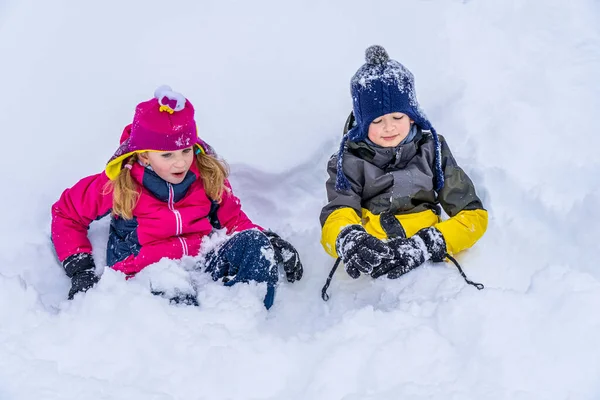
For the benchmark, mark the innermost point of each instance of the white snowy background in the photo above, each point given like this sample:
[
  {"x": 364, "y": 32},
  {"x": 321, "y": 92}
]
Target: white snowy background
[{"x": 512, "y": 85}]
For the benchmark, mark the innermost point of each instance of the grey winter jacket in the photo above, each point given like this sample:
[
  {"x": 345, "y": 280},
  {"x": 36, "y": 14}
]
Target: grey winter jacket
[{"x": 399, "y": 180}]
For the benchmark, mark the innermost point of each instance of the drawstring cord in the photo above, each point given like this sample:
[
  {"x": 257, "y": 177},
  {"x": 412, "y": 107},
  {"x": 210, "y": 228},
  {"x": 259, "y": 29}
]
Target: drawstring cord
[
  {"x": 324, "y": 294},
  {"x": 479, "y": 286}
]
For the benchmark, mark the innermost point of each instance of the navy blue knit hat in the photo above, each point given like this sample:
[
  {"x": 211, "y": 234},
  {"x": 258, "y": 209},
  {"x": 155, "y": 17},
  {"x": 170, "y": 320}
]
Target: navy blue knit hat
[{"x": 379, "y": 87}]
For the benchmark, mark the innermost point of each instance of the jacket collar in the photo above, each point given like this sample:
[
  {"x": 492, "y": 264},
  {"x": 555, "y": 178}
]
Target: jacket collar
[
  {"x": 386, "y": 157},
  {"x": 160, "y": 188}
]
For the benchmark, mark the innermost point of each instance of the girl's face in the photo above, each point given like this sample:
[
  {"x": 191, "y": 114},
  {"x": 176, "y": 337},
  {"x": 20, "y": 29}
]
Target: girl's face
[
  {"x": 389, "y": 129},
  {"x": 172, "y": 166}
]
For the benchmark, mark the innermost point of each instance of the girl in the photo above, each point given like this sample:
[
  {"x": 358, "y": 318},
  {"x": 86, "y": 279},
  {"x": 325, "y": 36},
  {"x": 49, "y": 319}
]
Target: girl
[
  {"x": 389, "y": 179},
  {"x": 165, "y": 190}
]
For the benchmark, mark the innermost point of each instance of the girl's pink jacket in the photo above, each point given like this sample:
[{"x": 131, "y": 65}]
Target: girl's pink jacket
[{"x": 168, "y": 227}]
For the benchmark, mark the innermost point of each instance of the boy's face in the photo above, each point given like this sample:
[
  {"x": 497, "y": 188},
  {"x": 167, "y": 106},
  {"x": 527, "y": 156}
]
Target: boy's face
[
  {"x": 389, "y": 129},
  {"x": 172, "y": 166}
]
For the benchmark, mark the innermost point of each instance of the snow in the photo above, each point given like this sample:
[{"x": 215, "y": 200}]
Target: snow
[{"x": 512, "y": 85}]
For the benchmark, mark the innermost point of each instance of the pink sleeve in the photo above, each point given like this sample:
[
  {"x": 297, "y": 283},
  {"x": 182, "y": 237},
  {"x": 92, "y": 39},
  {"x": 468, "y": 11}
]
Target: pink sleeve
[
  {"x": 231, "y": 215},
  {"x": 73, "y": 213}
]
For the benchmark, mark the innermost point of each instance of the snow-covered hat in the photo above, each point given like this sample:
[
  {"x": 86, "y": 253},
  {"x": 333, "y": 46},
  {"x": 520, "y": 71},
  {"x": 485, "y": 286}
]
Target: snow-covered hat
[
  {"x": 382, "y": 86},
  {"x": 163, "y": 123}
]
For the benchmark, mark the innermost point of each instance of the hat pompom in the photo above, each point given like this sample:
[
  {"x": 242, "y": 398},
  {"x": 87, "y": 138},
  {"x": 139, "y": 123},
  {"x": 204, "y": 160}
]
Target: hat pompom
[
  {"x": 376, "y": 55},
  {"x": 168, "y": 98},
  {"x": 161, "y": 90}
]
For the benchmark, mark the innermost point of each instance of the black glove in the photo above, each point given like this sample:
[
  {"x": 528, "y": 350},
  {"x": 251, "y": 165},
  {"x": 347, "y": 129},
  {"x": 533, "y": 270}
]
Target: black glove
[
  {"x": 427, "y": 244},
  {"x": 81, "y": 269},
  {"x": 360, "y": 251},
  {"x": 434, "y": 242},
  {"x": 286, "y": 255}
]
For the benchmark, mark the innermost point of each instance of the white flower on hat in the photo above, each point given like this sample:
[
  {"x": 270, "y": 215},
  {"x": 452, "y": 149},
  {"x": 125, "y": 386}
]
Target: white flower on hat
[{"x": 168, "y": 98}]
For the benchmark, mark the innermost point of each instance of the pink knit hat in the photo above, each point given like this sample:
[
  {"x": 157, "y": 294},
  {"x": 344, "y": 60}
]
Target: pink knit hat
[{"x": 163, "y": 123}]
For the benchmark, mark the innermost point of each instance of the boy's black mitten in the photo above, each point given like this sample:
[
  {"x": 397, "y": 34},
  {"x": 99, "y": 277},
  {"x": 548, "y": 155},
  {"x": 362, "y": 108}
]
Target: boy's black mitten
[
  {"x": 427, "y": 244},
  {"x": 286, "y": 255},
  {"x": 360, "y": 251},
  {"x": 81, "y": 269}
]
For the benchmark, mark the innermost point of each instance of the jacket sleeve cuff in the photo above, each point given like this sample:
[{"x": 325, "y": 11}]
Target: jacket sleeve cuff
[
  {"x": 464, "y": 229},
  {"x": 335, "y": 223}
]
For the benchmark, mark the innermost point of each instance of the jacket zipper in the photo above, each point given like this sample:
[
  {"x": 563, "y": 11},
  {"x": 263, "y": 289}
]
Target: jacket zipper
[{"x": 178, "y": 220}]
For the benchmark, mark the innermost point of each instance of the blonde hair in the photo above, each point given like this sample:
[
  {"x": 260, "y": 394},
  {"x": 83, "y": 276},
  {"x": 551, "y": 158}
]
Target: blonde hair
[
  {"x": 213, "y": 173},
  {"x": 126, "y": 192}
]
